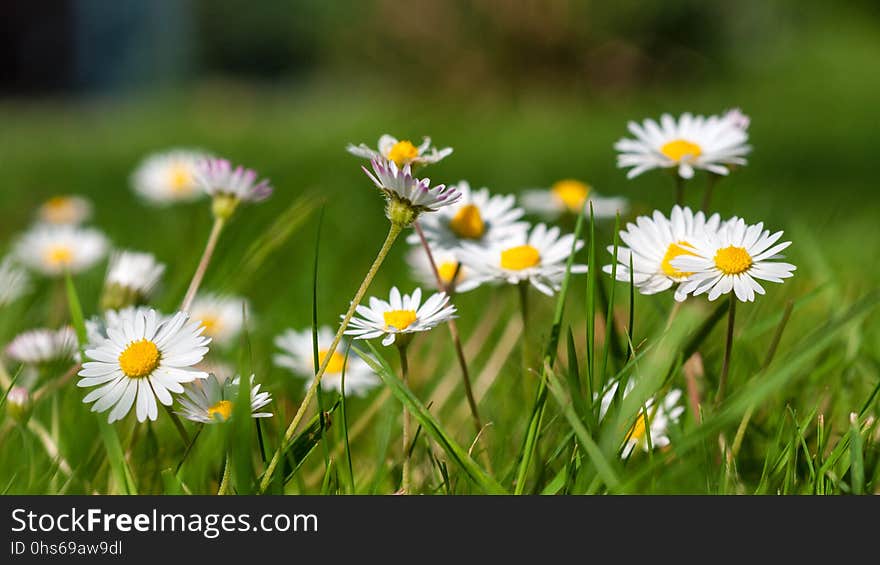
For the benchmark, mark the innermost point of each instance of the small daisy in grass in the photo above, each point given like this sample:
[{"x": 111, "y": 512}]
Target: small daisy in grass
[
  {"x": 691, "y": 142},
  {"x": 212, "y": 401},
  {"x": 401, "y": 152},
  {"x": 221, "y": 316},
  {"x": 131, "y": 278},
  {"x": 40, "y": 346},
  {"x": 733, "y": 258},
  {"x": 571, "y": 196},
  {"x": 407, "y": 197},
  {"x": 297, "y": 354},
  {"x": 660, "y": 417},
  {"x": 230, "y": 186},
  {"x": 448, "y": 267},
  {"x": 400, "y": 316},
  {"x": 14, "y": 282},
  {"x": 72, "y": 210},
  {"x": 476, "y": 217},
  {"x": 537, "y": 257},
  {"x": 143, "y": 358},
  {"x": 168, "y": 177},
  {"x": 54, "y": 250},
  {"x": 653, "y": 242}
]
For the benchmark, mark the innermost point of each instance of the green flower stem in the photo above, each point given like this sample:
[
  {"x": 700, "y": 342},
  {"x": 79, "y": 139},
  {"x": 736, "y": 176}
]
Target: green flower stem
[
  {"x": 196, "y": 281},
  {"x": 679, "y": 189},
  {"x": 224, "y": 482},
  {"x": 710, "y": 186},
  {"x": 728, "y": 348},
  {"x": 406, "y": 481},
  {"x": 393, "y": 232}
]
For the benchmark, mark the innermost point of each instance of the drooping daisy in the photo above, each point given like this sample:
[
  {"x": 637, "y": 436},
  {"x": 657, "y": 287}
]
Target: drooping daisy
[
  {"x": 14, "y": 282},
  {"x": 401, "y": 315},
  {"x": 52, "y": 250},
  {"x": 143, "y": 358},
  {"x": 448, "y": 267},
  {"x": 660, "y": 417},
  {"x": 297, "y": 355},
  {"x": 229, "y": 187},
  {"x": 653, "y": 242},
  {"x": 72, "y": 210},
  {"x": 168, "y": 177},
  {"x": 476, "y": 217},
  {"x": 401, "y": 152},
  {"x": 732, "y": 259},
  {"x": 538, "y": 257},
  {"x": 570, "y": 196},
  {"x": 407, "y": 196},
  {"x": 131, "y": 278},
  {"x": 39, "y": 346},
  {"x": 221, "y": 316},
  {"x": 692, "y": 142},
  {"x": 211, "y": 401}
]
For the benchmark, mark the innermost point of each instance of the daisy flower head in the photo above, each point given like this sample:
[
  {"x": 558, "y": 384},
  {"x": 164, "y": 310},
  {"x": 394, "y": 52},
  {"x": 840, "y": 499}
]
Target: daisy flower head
[
  {"x": 476, "y": 216},
  {"x": 653, "y": 242},
  {"x": 14, "y": 282},
  {"x": 222, "y": 317},
  {"x": 131, "y": 278},
  {"x": 659, "y": 417},
  {"x": 538, "y": 257},
  {"x": 168, "y": 177},
  {"x": 41, "y": 346},
  {"x": 401, "y": 152},
  {"x": 407, "y": 196},
  {"x": 571, "y": 196},
  {"x": 448, "y": 267},
  {"x": 143, "y": 358},
  {"x": 54, "y": 250},
  {"x": 211, "y": 401},
  {"x": 691, "y": 142},
  {"x": 297, "y": 355},
  {"x": 230, "y": 186},
  {"x": 65, "y": 210},
  {"x": 733, "y": 259},
  {"x": 400, "y": 316}
]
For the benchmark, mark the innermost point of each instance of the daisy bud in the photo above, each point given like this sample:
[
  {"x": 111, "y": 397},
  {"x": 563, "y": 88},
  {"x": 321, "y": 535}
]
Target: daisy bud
[
  {"x": 130, "y": 280},
  {"x": 228, "y": 187},
  {"x": 19, "y": 405}
]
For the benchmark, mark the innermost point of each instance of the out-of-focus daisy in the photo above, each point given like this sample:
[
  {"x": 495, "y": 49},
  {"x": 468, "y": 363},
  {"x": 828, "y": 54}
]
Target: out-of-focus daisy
[
  {"x": 143, "y": 358},
  {"x": 229, "y": 186},
  {"x": 43, "y": 345},
  {"x": 14, "y": 282},
  {"x": 538, "y": 257},
  {"x": 131, "y": 278},
  {"x": 571, "y": 196},
  {"x": 476, "y": 217},
  {"x": 400, "y": 316},
  {"x": 691, "y": 142},
  {"x": 407, "y": 196},
  {"x": 653, "y": 242},
  {"x": 72, "y": 210},
  {"x": 448, "y": 267},
  {"x": 52, "y": 250},
  {"x": 736, "y": 117},
  {"x": 168, "y": 177},
  {"x": 211, "y": 401},
  {"x": 221, "y": 316},
  {"x": 660, "y": 417},
  {"x": 402, "y": 152},
  {"x": 297, "y": 355},
  {"x": 96, "y": 326},
  {"x": 732, "y": 258}
]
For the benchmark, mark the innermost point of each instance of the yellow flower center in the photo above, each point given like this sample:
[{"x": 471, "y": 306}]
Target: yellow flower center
[
  {"x": 139, "y": 359},
  {"x": 59, "y": 255},
  {"x": 447, "y": 271},
  {"x": 403, "y": 152},
  {"x": 337, "y": 361},
  {"x": 58, "y": 210},
  {"x": 399, "y": 319},
  {"x": 733, "y": 260},
  {"x": 212, "y": 325},
  {"x": 678, "y": 149},
  {"x": 467, "y": 223},
  {"x": 520, "y": 257},
  {"x": 637, "y": 432},
  {"x": 675, "y": 250},
  {"x": 573, "y": 193},
  {"x": 222, "y": 409},
  {"x": 180, "y": 179}
]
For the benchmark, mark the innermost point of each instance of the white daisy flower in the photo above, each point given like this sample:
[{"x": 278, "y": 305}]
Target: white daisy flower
[
  {"x": 211, "y": 401},
  {"x": 217, "y": 178},
  {"x": 72, "y": 210},
  {"x": 476, "y": 216},
  {"x": 400, "y": 315},
  {"x": 654, "y": 242},
  {"x": 39, "y": 346},
  {"x": 570, "y": 196},
  {"x": 52, "y": 250},
  {"x": 692, "y": 142},
  {"x": 448, "y": 266},
  {"x": 221, "y": 316},
  {"x": 131, "y": 278},
  {"x": 660, "y": 418},
  {"x": 401, "y": 152},
  {"x": 143, "y": 358},
  {"x": 297, "y": 355},
  {"x": 538, "y": 257},
  {"x": 168, "y": 177},
  {"x": 406, "y": 194},
  {"x": 731, "y": 259},
  {"x": 14, "y": 282}
]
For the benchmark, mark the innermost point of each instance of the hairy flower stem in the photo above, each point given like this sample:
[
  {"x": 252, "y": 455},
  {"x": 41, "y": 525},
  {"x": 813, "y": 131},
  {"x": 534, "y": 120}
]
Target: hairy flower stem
[
  {"x": 679, "y": 190},
  {"x": 728, "y": 348},
  {"x": 224, "y": 482},
  {"x": 196, "y": 281},
  {"x": 523, "y": 288},
  {"x": 406, "y": 480},
  {"x": 707, "y": 196},
  {"x": 393, "y": 232}
]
